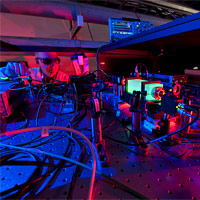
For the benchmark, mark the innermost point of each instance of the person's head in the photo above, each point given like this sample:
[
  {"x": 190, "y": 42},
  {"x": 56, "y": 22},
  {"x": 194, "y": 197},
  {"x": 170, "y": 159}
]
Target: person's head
[{"x": 48, "y": 62}]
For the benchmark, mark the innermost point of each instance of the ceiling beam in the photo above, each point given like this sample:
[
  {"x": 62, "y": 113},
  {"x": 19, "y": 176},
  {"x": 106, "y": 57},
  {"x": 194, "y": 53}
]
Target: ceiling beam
[
  {"x": 5, "y": 46},
  {"x": 32, "y": 53},
  {"x": 41, "y": 44},
  {"x": 63, "y": 9}
]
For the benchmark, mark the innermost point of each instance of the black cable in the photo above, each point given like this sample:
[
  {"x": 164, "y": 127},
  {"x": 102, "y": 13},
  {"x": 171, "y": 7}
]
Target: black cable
[
  {"x": 191, "y": 141},
  {"x": 169, "y": 152},
  {"x": 44, "y": 142},
  {"x": 172, "y": 154},
  {"x": 33, "y": 140},
  {"x": 21, "y": 127},
  {"x": 67, "y": 153},
  {"x": 184, "y": 127},
  {"x": 28, "y": 78},
  {"x": 37, "y": 171},
  {"x": 124, "y": 187},
  {"x": 29, "y": 185},
  {"x": 5, "y": 82},
  {"x": 33, "y": 163},
  {"x": 39, "y": 94},
  {"x": 61, "y": 120},
  {"x": 118, "y": 141},
  {"x": 11, "y": 87},
  {"x": 55, "y": 113},
  {"x": 63, "y": 103},
  {"x": 38, "y": 137},
  {"x": 124, "y": 126},
  {"x": 39, "y": 109},
  {"x": 45, "y": 176},
  {"x": 38, "y": 179},
  {"x": 26, "y": 122},
  {"x": 77, "y": 170},
  {"x": 97, "y": 61},
  {"x": 172, "y": 133},
  {"x": 78, "y": 119}
]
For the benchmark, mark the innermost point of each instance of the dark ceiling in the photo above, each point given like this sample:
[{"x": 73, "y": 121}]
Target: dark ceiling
[{"x": 167, "y": 9}]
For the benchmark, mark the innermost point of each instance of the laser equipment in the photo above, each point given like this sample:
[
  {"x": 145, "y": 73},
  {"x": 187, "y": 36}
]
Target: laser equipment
[{"x": 154, "y": 89}]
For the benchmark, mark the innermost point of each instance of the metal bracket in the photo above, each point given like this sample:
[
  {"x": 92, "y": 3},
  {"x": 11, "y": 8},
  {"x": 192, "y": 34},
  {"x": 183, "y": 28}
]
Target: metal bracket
[{"x": 77, "y": 26}]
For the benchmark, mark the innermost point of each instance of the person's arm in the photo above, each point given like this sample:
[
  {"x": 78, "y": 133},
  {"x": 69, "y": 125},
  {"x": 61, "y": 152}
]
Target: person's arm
[
  {"x": 2, "y": 73},
  {"x": 13, "y": 69}
]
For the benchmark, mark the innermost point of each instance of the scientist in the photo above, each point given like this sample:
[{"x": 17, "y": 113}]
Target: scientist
[{"x": 48, "y": 70}]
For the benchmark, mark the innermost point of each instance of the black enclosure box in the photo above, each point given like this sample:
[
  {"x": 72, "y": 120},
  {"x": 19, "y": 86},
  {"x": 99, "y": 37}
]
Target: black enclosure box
[{"x": 168, "y": 104}]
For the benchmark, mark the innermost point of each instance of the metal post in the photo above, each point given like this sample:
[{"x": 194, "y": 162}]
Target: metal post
[
  {"x": 96, "y": 129},
  {"x": 136, "y": 120}
]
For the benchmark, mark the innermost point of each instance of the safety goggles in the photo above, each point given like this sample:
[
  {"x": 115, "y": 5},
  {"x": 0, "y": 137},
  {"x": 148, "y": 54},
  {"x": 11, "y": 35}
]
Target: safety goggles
[{"x": 49, "y": 61}]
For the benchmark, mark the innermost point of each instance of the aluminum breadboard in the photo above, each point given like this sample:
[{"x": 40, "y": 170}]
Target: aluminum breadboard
[{"x": 157, "y": 175}]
